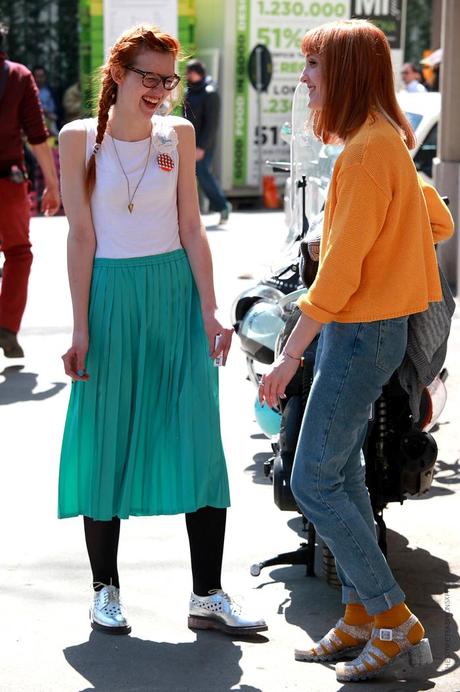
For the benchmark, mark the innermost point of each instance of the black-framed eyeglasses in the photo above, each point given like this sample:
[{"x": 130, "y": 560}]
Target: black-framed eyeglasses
[{"x": 150, "y": 80}]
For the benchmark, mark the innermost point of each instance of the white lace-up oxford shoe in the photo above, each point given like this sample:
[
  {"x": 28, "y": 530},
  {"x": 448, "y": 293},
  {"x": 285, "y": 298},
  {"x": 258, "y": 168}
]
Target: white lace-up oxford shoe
[
  {"x": 107, "y": 613},
  {"x": 220, "y": 612}
]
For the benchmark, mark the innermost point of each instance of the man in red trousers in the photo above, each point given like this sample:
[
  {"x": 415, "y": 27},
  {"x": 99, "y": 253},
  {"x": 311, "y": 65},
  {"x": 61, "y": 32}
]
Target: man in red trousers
[{"x": 20, "y": 113}]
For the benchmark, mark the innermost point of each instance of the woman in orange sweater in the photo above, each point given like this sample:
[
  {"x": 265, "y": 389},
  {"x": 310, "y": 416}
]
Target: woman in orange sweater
[{"x": 377, "y": 266}]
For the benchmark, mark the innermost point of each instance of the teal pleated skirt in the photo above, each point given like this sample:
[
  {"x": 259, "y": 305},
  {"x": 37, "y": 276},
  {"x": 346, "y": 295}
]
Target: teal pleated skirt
[{"x": 142, "y": 435}]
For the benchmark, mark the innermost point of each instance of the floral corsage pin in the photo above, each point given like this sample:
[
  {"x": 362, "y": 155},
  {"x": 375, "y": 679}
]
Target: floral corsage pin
[{"x": 164, "y": 144}]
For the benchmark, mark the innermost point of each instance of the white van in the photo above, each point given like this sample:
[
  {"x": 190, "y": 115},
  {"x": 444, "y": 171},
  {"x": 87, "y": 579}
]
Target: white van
[{"x": 423, "y": 111}]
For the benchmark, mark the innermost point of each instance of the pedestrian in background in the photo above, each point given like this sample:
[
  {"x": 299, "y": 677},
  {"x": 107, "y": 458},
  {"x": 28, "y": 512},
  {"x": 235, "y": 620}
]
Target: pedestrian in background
[
  {"x": 202, "y": 108},
  {"x": 47, "y": 98},
  {"x": 377, "y": 265},
  {"x": 142, "y": 434},
  {"x": 20, "y": 112},
  {"x": 72, "y": 102},
  {"x": 412, "y": 78}
]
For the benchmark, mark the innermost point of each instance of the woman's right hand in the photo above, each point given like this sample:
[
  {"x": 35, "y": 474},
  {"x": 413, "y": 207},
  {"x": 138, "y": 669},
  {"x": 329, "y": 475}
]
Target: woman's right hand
[
  {"x": 273, "y": 384},
  {"x": 74, "y": 359}
]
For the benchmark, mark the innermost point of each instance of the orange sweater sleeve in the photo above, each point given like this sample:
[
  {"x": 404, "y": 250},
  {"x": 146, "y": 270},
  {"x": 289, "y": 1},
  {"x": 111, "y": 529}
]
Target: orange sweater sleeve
[
  {"x": 442, "y": 224},
  {"x": 359, "y": 215}
]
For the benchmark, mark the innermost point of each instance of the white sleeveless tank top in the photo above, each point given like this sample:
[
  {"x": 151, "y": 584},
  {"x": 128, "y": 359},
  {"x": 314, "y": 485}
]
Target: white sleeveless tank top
[{"x": 153, "y": 227}]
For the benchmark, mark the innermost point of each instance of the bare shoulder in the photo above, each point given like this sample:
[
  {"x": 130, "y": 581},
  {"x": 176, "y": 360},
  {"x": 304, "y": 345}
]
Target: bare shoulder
[
  {"x": 73, "y": 126},
  {"x": 183, "y": 128},
  {"x": 180, "y": 123},
  {"x": 73, "y": 135}
]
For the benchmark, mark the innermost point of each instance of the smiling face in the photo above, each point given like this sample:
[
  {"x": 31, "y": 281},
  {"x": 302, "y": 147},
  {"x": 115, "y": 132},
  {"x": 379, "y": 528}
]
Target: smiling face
[
  {"x": 133, "y": 97},
  {"x": 313, "y": 78}
]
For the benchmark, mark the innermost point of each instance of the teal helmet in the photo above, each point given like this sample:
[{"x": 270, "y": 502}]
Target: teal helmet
[{"x": 268, "y": 419}]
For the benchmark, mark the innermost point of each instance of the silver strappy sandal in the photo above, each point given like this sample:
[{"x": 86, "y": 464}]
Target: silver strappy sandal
[
  {"x": 331, "y": 647},
  {"x": 377, "y": 661}
]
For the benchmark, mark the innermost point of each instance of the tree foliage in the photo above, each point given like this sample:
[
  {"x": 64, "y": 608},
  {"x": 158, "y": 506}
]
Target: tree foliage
[
  {"x": 44, "y": 32},
  {"x": 418, "y": 29}
]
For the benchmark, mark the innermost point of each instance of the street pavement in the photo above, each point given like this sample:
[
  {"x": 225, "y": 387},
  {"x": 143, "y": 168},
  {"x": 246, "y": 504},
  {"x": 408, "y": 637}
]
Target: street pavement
[{"x": 46, "y": 644}]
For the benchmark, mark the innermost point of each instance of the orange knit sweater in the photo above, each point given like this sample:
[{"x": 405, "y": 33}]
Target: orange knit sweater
[{"x": 381, "y": 221}]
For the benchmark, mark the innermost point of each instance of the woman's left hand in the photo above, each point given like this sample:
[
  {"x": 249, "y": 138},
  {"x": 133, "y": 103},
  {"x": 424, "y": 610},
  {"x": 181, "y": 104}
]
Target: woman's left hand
[
  {"x": 213, "y": 328},
  {"x": 273, "y": 384}
]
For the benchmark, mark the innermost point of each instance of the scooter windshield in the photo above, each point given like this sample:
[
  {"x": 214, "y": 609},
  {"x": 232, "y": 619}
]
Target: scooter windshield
[{"x": 312, "y": 163}]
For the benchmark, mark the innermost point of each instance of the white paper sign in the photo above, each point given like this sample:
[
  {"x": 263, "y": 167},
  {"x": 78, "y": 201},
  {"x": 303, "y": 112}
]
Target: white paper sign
[
  {"x": 281, "y": 26},
  {"x": 120, "y": 15}
]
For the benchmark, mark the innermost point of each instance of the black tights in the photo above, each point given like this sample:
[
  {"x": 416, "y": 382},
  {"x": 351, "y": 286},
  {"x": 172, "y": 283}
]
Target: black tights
[{"x": 206, "y": 531}]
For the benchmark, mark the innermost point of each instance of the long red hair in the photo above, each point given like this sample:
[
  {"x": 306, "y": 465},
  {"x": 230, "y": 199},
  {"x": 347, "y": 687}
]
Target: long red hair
[
  {"x": 357, "y": 78},
  {"x": 123, "y": 53}
]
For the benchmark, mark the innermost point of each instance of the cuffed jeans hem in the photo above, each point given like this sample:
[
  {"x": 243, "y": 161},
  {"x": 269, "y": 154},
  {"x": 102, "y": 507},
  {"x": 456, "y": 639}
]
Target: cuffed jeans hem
[
  {"x": 350, "y": 595},
  {"x": 384, "y": 602}
]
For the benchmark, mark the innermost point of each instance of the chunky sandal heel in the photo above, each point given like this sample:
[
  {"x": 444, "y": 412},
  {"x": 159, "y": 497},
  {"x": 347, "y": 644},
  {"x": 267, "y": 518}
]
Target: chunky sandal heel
[
  {"x": 420, "y": 654},
  {"x": 372, "y": 661}
]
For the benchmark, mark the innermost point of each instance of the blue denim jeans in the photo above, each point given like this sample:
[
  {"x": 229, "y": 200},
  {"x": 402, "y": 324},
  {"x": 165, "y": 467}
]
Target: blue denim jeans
[
  {"x": 353, "y": 362},
  {"x": 209, "y": 184}
]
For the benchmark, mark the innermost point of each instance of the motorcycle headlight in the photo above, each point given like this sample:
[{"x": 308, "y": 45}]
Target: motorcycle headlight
[
  {"x": 258, "y": 330},
  {"x": 246, "y": 300}
]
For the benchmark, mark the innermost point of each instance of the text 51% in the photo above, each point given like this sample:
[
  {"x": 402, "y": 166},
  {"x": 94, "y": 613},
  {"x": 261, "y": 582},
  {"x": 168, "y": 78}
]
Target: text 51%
[{"x": 274, "y": 37}]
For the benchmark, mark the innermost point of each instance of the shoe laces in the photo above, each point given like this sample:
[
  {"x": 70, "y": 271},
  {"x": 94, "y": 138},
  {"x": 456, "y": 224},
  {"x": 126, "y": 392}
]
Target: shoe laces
[
  {"x": 235, "y": 607},
  {"x": 111, "y": 593}
]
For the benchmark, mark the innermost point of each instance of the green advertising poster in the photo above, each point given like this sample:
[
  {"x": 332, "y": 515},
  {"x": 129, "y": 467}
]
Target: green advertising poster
[
  {"x": 240, "y": 140},
  {"x": 280, "y": 26},
  {"x": 91, "y": 49},
  {"x": 187, "y": 26}
]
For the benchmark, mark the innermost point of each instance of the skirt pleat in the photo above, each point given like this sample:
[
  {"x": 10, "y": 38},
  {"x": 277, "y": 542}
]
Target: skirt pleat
[{"x": 142, "y": 435}]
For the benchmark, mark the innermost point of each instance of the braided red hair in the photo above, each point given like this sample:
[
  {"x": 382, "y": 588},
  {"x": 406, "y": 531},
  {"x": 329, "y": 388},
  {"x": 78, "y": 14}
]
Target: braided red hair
[{"x": 122, "y": 54}]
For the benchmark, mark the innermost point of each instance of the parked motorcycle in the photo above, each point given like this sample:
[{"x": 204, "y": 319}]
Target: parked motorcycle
[
  {"x": 257, "y": 313},
  {"x": 400, "y": 453}
]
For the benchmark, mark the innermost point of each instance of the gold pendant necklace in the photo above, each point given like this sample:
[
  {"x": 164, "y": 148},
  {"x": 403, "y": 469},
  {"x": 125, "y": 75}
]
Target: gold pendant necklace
[{"x": 131, "y": 197}]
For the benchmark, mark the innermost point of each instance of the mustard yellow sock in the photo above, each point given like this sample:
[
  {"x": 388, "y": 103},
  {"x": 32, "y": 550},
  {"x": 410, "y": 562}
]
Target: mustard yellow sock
[
  {"x": 355, "y": 614},
  {"x": 393, "y": 618}
]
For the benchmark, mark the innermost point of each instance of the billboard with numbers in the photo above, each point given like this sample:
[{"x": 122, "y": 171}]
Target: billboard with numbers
[{"x": 280, "y": 25}]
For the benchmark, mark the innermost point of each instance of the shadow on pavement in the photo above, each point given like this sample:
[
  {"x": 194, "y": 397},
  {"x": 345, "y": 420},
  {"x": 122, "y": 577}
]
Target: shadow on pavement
[
  {"x": 19, "y": 386},
  {"x": 427, "y": 581},
  {"x": 216, "y": 227},
  {"x": 129, "y": 664},
  {"x": 447, "y": 475},
  {"x": 257, "y": 468}
]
